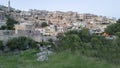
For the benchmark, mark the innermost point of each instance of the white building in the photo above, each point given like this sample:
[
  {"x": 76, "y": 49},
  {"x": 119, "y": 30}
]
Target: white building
[
  {"x": 49, "y": 30},
  {"x": 79, "y": 25}
]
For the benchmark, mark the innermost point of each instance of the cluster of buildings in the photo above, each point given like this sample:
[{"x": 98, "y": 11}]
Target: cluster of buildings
[
  {"x": 61, "y": 21},
  {"x": 58, "y": 22}
]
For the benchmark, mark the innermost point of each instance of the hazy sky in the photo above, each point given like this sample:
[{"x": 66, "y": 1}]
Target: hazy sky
[{"x": 109, "y": 8}]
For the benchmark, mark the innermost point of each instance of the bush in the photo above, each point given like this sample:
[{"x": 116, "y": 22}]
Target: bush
[
  {"x": 21, "y": 43},
  {"x": 44, "y": 24},
  {"x": 71, "y": 42}
]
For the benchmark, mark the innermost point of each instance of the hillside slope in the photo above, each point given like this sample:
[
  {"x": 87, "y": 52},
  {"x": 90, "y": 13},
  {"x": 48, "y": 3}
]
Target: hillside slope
[{"x": 61, "y": 60}]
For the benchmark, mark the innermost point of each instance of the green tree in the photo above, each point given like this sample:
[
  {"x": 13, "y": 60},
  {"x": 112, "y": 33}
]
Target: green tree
[
  {"x": 9, "y": 24},
  {"x": 118, "y": 21},
  {"x": 97, "y": 41},
  {"x": 71, "y": 42},
  {"x": 85, "y": 35},
  {"x": 117, "y": 34},
  {"x": 113, "y": 28},
  {"x": 44, "y": 24}
]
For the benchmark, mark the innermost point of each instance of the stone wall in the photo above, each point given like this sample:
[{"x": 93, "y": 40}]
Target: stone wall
[{"x": 9, "y": 34}]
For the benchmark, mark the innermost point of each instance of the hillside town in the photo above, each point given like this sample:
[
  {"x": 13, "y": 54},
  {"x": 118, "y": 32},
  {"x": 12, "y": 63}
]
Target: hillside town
[
  {"x": 64, "y": 37},
  {"x": 57, "y": 22}
]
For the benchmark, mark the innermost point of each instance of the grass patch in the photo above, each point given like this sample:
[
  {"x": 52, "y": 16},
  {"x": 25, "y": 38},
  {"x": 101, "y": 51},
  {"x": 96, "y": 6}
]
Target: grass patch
[{"x": 65, "y": 59}]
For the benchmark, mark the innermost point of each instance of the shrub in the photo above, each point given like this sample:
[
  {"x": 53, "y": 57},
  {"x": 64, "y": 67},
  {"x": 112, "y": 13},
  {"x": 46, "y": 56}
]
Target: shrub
[
  {"x": 21, "y": 43},
  {"x": 44, "y": 24}
]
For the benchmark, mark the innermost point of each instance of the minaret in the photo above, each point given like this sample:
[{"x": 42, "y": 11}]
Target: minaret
[{"x": 8, "y": 6}]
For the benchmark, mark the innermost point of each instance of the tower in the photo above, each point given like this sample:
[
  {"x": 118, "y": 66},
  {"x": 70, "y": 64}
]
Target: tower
[{"x": 8, "y": 6}]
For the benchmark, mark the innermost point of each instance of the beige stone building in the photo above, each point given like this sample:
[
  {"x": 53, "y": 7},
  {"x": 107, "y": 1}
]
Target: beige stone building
[{"x": 24, "y": 27}]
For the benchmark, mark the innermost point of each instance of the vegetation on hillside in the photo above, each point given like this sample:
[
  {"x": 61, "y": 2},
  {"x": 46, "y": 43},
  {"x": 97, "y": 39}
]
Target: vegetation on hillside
[
  {"x": 70, "y": 47},
  {"x": 21, "y": 43},
  {"x": 91, "y": 45},
  {"x": 113, "y": 28},
  {"x": 9, "y": 24},
  {"x": 66, "y": 59}
]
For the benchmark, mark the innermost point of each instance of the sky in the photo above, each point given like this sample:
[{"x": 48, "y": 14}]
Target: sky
[{"x": 109, "y": 8}]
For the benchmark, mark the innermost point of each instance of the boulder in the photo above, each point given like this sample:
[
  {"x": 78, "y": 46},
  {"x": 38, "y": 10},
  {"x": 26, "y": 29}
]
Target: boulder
[{"x": 42, "y": 56}]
